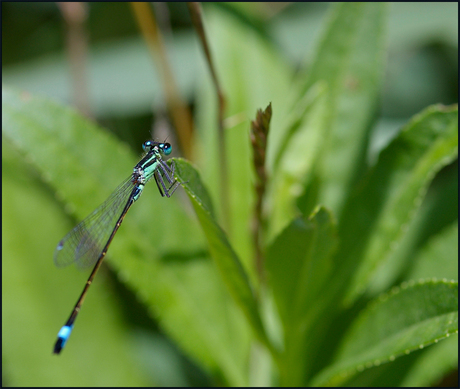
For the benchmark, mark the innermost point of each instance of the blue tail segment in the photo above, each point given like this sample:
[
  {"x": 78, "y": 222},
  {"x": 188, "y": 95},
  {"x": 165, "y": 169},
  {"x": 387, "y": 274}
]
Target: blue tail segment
[{"x": 63, "y": 335}]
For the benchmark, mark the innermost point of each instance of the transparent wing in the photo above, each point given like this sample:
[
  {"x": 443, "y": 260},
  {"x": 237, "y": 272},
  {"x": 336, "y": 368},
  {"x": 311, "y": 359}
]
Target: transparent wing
[{"x": 84, "y": 244}]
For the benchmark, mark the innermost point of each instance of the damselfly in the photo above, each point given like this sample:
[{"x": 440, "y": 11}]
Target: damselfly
[{"x": 88, "y": 242}]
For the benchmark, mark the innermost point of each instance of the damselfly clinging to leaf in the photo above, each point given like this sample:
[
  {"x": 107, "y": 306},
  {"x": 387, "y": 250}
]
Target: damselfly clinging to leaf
[{"x": 88, "y": 242}]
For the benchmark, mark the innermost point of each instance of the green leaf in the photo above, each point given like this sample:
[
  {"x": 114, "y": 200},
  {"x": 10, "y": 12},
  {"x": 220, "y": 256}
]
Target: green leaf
[
  {"x": 37, "y": 297},
  {"x": 407, "y": 319},
  {"x": 427, "y": 367},
  {"x": 439, "y": 257},
  {"x": 225, "y": 258},
  {"x": 252, "y": 74},
  {"x": 438, "y": 212},
  {"x": 375, "y": 217},
  {"x": 82, "y": 162},
  {"x": 297, "y": 152},
  {"x": 299, "y": 262},
  {"x": 350, "y": 60},
  {"x": 437, "y": 361}
]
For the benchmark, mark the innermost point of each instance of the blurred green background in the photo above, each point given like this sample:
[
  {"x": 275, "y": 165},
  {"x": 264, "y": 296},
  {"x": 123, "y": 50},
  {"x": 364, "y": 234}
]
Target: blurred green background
[{"x": 124, "y": 95}]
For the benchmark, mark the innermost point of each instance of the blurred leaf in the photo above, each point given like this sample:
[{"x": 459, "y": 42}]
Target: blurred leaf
[
  {"x": 34, "y": 292},
  {"x": 125, "y": 60},
  {"x": 420, "y": 144},
  {"x": 77, "y": 158},
  {"x": 303, "y": 141},
  {"x": 252, "y": 74},
  {"x": 431, "y": 63},
  {"x": 299, "y": 262},
  {"x": 350, "y": 59},
  {"x": 296, "y": 29},
  {"x": 439, "y": 211},
  {"x": 388, "y": 375},
  {"x": 393, "y": 189},
  {"x": 437, "y": 361},
  {"x": 426, "y": 366},
  {"x": 411, "y": 26},
  {"x": 229, "y": 265},
  {"x": 439, "y": 257},
  {"x": 407, "y": 319}
]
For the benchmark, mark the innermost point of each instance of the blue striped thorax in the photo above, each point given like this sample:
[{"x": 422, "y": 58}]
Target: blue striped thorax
[{"x": 146, "y": 167}]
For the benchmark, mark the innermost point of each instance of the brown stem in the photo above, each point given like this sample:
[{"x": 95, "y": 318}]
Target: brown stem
[
  {"x": 75, "y": 15},
  {"x": 197, "y": 20},
  {"x": 180, "y": 114}
]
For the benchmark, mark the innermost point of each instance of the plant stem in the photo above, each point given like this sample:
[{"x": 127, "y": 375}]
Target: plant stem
[
  {"x": 180, "y": 114},
  {"x": 197, "y": 20}
]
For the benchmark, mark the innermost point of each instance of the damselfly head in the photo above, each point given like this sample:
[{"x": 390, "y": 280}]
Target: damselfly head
[{"x": 164, "y": 148}]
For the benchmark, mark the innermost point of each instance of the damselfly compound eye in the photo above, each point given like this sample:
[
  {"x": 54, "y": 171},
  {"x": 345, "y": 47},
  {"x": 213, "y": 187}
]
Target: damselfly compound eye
[
  {"x": 147, "y": 145},
  {"x": 166, "y": 148}
]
